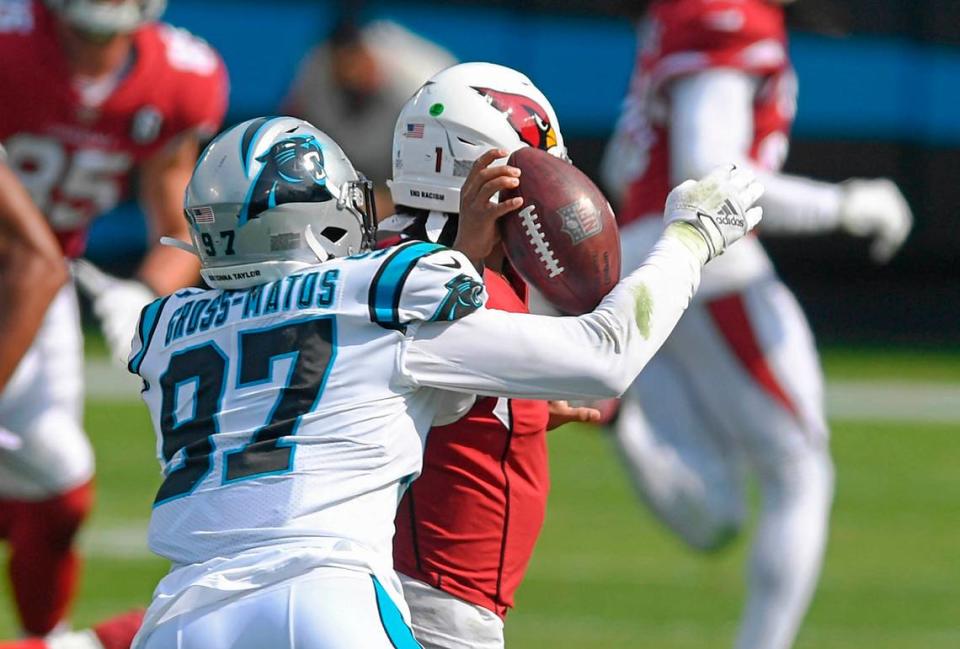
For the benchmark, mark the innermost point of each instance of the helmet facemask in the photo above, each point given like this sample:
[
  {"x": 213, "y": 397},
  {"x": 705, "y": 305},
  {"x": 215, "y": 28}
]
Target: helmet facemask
[
  {"x": 332, "y": 240},
  {"x": 411, "y": 224}
]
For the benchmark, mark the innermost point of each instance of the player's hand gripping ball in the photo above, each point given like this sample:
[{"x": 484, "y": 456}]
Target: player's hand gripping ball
[{"x": 563, "y": 239}]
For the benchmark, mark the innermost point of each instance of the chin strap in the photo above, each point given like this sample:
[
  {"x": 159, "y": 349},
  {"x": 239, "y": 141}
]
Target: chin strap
[
  {"x": 315, "y": 246},
  {"x": 436, "y": 222},
  {"x": 177, "y": 243}
]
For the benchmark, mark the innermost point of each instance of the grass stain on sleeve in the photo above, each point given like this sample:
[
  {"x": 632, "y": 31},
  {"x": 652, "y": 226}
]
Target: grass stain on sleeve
[
  {"x": 690, "y": 237},
  {"x": 643, "y": 309}
]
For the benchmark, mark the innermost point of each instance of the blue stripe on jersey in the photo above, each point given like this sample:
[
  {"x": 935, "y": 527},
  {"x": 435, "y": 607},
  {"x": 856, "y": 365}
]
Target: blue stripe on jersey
[
  {"x": 387, "y": 285},
  {"x": 399, "y": 634},
  {"x": 148, "y": 325}
]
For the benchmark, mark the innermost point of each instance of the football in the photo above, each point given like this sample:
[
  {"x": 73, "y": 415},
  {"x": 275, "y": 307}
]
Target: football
[{"x": 563, "y": 240}]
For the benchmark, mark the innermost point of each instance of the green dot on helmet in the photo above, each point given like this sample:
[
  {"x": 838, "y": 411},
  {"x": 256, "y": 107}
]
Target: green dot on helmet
[{"x": 436, "y": 109}]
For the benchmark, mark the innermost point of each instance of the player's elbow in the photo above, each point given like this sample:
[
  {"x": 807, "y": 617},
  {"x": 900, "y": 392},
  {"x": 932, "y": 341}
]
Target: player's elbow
[
  {"x": 606, "y": 382},
  {"x": 612, "y": 367},
  {"x": 44, "y": 272},
  {"x": 55, "y": 270},
  {"x": 618, "y": 382}
]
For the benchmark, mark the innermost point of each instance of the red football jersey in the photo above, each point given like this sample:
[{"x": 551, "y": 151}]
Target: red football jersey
[
  {"x": 682, "y": 37},
  {"x": 77, "y": 160},
  {"x": 468, "y": 524}
]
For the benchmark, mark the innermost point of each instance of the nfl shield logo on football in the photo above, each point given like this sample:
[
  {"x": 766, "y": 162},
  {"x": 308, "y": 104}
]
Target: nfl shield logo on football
[
  {"x": 581, "y": 220},
  {"x": 146, "y": 125}
]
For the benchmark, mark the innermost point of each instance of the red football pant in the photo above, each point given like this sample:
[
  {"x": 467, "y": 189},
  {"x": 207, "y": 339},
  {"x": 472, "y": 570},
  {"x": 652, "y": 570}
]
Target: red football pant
[
  {"x": 118, "y": 632},
  {"x": 44, "y": 564}
]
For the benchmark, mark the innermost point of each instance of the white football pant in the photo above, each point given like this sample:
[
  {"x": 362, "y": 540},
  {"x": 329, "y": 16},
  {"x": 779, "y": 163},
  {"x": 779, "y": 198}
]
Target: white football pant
[
  {"x": 737, "y": 387},
  {"x": 329, "y": 609},
  {"x": 442, "y": 621},
  {"x": 43, "y": 449}
]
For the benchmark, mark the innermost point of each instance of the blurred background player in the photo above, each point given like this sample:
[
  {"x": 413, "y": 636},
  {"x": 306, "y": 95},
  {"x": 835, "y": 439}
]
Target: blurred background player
[
  {"x": 466, "y": 528},
  {"x": 353, "y": 86},
  {"x": 32, "y": 272},
  {"x": 92, "y": 93},
  {"x": 713, "y": 81}
]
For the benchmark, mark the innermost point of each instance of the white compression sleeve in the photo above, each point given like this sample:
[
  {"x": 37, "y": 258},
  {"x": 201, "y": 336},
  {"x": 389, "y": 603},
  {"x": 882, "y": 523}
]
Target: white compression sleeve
[
  {"x": 711, "y": 123},
  {"x": 596, "y": 355}
]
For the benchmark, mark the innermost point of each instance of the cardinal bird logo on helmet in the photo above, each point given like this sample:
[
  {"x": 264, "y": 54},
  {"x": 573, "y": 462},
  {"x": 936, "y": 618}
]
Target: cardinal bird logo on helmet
[{"x": 526, "y": 117}]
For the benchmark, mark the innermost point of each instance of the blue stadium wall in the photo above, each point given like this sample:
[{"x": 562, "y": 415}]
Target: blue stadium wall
[{"x": 869, "y": 105}]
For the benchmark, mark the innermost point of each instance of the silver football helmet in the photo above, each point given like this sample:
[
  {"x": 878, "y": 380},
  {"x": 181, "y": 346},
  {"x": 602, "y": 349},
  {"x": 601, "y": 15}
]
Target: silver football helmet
[
  {"x": 272, "y": 196},
  {"x": 105, "y": 18}
]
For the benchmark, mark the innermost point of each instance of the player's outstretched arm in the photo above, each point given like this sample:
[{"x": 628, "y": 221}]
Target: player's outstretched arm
[
  {"x": 32, "y": 270},
  {"x": 599, "y": 354},
  {"x": 117, "y": 303},
  {"x": 876, "y": 209},
  {"x": 711, "y": 118},
  {"x": 164, "y": 178}
]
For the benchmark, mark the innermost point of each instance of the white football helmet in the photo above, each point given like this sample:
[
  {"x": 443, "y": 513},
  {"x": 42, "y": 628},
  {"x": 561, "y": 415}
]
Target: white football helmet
[
  {"x": 272, "y": 196},
  {"x": 457, "y": 115},
  {"x": 103, "y": 17}
]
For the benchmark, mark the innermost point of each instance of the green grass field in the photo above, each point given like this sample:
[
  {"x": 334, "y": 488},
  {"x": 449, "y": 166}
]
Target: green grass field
[{"x": 606, "y": 576}]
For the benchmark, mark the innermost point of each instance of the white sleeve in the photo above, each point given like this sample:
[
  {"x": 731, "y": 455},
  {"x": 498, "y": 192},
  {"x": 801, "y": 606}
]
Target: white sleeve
[
  {"x": 420, "y": 281},
  {"x": 711, "y": 123},
  {"x": 595, "y": 355},
  {"x": 146, "y": 327}
]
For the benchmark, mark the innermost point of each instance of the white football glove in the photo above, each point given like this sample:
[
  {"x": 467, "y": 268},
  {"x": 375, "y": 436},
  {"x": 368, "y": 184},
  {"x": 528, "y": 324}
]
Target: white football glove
[
  {"x": 117, "y": 303},
  {"x": 876, "y": 208},
  {"x": 720, "y": 206}
]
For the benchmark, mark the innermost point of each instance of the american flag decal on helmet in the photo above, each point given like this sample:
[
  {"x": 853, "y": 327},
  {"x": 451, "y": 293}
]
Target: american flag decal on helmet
[
  {"x": 414, "y": 131},
  {"x": 202, "y": 215}
]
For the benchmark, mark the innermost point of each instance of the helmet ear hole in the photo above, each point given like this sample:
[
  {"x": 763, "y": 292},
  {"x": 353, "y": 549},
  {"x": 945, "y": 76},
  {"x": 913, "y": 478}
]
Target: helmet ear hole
[{"x": 333, "y": 233}]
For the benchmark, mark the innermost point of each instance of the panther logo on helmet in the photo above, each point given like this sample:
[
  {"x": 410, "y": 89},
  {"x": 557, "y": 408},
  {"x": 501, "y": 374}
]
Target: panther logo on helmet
[
  {"x": 527, "y": 117},
  {"x": 292, "y": 172}
]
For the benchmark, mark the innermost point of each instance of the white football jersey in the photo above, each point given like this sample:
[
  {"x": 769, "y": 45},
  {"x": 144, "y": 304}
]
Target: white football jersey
[
  {"x": 291, "y": 415},
  {"x": 281, "y": 411}
]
